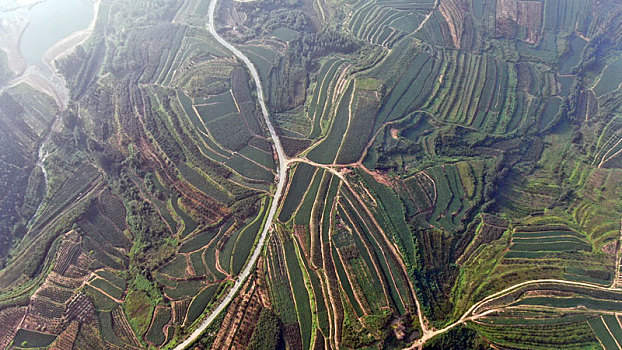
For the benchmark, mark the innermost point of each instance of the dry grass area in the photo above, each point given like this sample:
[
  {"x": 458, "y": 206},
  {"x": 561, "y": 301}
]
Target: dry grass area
[{"x": 514, "y": 16}]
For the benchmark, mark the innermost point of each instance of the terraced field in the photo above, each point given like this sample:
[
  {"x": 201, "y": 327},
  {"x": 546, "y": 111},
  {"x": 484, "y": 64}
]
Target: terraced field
[{"x": 318, "y": 175}]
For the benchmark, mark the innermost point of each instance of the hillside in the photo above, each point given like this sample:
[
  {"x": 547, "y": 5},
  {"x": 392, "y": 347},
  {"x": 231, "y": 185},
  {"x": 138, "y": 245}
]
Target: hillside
[{"x": 437, "y": 174}]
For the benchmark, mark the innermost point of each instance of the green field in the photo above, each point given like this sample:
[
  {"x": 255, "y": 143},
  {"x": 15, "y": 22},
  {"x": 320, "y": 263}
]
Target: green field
[{"x": 442, "y": 159}]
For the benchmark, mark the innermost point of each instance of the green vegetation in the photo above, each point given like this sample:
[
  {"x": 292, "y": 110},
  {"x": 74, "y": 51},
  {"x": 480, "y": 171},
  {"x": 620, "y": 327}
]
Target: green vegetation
[
  {"x": 439, "y": 152},
  {"x": 107, "y": 287},
  {"x": 200, "y": 302},
  {"x": 246, "y": 240},
  {"x": 30, "y": 339},
  {"x": 602, "y": 333},
  {"x": 267, "y": 332},
  {"x": 139, "y": 310},
  {"x": 300, "y": 292},
  {"x": 300, "y": 181},
  {"x": 162, "y": 317},
  {"x": 184, "y": 289}
]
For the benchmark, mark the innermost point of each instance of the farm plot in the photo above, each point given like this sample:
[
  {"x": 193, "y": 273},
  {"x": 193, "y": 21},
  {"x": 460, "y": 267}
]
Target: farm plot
[
  {"x": 249, "y": 169},
  {"x": 489, "y": 230},
  {"x": 102, "y": 248},
  {"x": 390, "y": 215},
  {"x": 303, "y": 214},
  {"x": 197, "y": 263},
  {"x": 455, "y": 190},
  {"x": 184, "y": 289},
  {"x": 31, "y": 339},
  {"x": 100, "y": 300},
  {"x": 548, "y": 241},
  {"x": 415, "y": 80},
  {"x": 230, "y": 131},
  {"x": 107, "y": 287},
  {"x": 477, "y": 91},
  {"x": 301, "y": 296},
  {"x": 573, "y": 55},
  {"x": 189, "y": 223},
  {"x": 197, "y": 241},
  {"x": 397, "y": 285},
  {"x": 549, "y": 111},
  {"x": 572, "y": 302},
  {"x": 346, "y": 286},
  {"x": 364, "y": 106},
  {"x": 418, "y": 194},
  {"x": 609, "y": 144},
  {"x": 614, "y": 326},
  {"x": 564, "y": 16},
  {"x": 293, "y": 123},
  {"x": 113, "y": 208},
  {"x": 436, "y": 31},
  {"x": 155, "y": 335},
  {"x": 320, "y": 104},
  {"x": 244, "y": 101},
  {"x": 176, "y": 268},
  {"x": 603, "y": 334},
  {"x": 216, "y": 106},
  {"x": 563, "y": 252},
  {"x": 209, "y": 257},
  {"x": 383, "y": 23},
  {"x": 81, "y": 181},
  {"x": 108, "y": 230},
  {"x": 214, "y": 151},
  {"x": 263, "y": 58},
  {"x": 279, "y": 285},
  {"x": 200, "y": 302},
  {"x": 591, "y": 274},
  {"x": 246, "y": 239},
  {"x": 301, "y": 180},
  {"x": 610, "y": 79},
  {"x": 261, "y": 157},
  {"x": 519, "y": 198},
  {"x": 106, "y": 327},
  {"x": 326, "y": 151},
  {"x": 236, "y": 242},
  {"x": 521, "y": 334},
  {"x": 362, "y": 271},
  {"x": 552, "y": 315},
  {"x": 112, "y": 278}
]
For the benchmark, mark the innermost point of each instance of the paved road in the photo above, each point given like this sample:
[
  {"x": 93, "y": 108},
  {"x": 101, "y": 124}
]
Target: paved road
[{"x": 281, "y": 178}]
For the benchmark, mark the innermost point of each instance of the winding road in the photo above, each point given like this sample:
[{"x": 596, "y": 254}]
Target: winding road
[
  {"x": 470, "y": 314},
  {"x": 281, "y": 176},
  {"x": 283, "y": 161}
]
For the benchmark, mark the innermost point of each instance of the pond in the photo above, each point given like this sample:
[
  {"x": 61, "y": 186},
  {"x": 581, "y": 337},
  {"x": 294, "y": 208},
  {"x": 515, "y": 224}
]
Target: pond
[{"x": 49, "y": 22}]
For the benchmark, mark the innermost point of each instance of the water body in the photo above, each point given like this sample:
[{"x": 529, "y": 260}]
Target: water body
[{"x": 49, "y": 22}]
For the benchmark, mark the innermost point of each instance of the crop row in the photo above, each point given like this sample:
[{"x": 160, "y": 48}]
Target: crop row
[
  {"x": 323, "y": 87},
  {"x": 355, "y": 255},
  {"x": 200, "y": 302},
  {"x": 609, "y": 142},
  {"x": 326, "y": 151},
  {"x": 246, "y": 239},
  {"x": 161, "y": 317},
  {"x": 278, "y": 280},
  {"x": 539, "y": 336},
  {"x": 365, "y": 105},
  {"x": 301, "y": 296},
  {"x": 384, "y": 261},
  {"x": 301, "y": 180},
  {"x": 416, "y": 80},
  {"x": 77, "y": 185}
]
